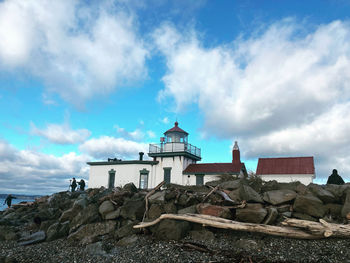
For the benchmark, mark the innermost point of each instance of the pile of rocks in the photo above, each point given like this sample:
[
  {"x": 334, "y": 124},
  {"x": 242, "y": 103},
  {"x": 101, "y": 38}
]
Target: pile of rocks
[{"x": 87, "y": 217}]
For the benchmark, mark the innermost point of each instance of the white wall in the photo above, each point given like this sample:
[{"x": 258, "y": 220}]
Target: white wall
[
  {"x": 125, "y": 173},
  {"x": 287, "y": 178}
]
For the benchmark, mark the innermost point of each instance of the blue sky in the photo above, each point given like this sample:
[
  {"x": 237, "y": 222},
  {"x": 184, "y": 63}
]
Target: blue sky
[{"x": 89, "y": 80}]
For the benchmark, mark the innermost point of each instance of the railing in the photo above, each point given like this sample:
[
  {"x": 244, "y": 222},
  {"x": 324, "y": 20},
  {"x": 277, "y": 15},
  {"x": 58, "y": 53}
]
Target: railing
[{"x": 174, "y": 147}]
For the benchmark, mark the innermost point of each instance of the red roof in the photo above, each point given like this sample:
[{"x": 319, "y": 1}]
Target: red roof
[
  {"x": 287, "y": 165},
  {"x": 213, "y": 168},
  {"x": 176, "y": 129}
]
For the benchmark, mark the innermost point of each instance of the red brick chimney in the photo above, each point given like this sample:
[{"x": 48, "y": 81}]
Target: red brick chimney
[{"x": 236, "y": 156}]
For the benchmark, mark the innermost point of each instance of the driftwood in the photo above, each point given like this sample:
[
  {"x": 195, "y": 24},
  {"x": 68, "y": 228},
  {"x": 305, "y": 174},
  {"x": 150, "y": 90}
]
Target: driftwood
[
  {"x": 212, "y": 191},
  {"x": 292, "y": 230},
  {"x": 148, "y": 195}
]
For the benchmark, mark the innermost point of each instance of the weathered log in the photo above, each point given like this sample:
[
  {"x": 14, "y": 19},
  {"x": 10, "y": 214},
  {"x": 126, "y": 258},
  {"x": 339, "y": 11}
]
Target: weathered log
[
  {"x": 320, "y": 229},
  {"x": 212, "y": 191},
  {"x": 148, "y": 195},
  {"x": 217, "y": 222}
]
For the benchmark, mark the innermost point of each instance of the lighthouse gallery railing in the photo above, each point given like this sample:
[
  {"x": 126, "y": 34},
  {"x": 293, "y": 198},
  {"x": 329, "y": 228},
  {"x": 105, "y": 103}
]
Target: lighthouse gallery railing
[{"x": 174, "y": 147}]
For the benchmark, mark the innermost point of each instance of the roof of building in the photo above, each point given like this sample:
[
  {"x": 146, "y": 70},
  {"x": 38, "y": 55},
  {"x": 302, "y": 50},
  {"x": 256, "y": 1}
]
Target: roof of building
[
  {"x": 214, "y": 168},
  {"x": 286, "y": 165},
  {"x": 176, "y": 128}
]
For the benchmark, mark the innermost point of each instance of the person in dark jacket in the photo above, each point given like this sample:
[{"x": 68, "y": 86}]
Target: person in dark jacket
[
  {"x": 8, "y": 200},
  {"x": 335, "y": 178},
  {"x": 82, "y": 185},
  {"x": 73, "y": 184}
]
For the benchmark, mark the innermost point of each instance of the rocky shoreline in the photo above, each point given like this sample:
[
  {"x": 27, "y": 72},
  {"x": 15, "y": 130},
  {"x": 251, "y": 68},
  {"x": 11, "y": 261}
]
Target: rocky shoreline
[{"x": 97, "y": 225}]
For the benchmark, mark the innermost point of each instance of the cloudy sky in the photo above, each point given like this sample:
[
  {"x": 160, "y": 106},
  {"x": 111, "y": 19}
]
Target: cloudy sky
[{"x": 91, "y": 80}]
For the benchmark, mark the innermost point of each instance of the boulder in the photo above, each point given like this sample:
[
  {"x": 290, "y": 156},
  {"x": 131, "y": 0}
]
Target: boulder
[
  {"x": 170, "y": 208},
  {"x": 130, "y": 187},
  {"x": 346, "y": 207},
  {"x": 88, "y": 215},
  {"x": 93, "y": 230},
  {"x": 157, "y": 197},
  {"x": 69, "y": 214},
  {"x": 57, "y": 230},
  {"x": 277, "y": 197},
  {"x": 128, "y": 240},
  {"x": 214, "y": 210},
  {"x": 338, "y": 191},
  {"x": 171, "y": 229},
  {"x": 234, "y": 195},
  {"x": 188, "y": 210},
  {"x": 231, "y": 185},
  {"x": 334, "y": 210},
  {"x": 304, "y": 216},
  {"x": 105, "y": 208},
  {"x": 126, "y": 230},
  {"x": 155, "y": 211},
  {"x": 252, "y": 213},
  {"x": 133, "y": 209},
  {"x": 34, "y": 238},
  {"x": 324, "y": 195},
  {"x": 96, "y": 249},
  {"x": 248, "y": 194},
  {"x": 310, "y": 205},
  {"x": 113, "y": 215}
]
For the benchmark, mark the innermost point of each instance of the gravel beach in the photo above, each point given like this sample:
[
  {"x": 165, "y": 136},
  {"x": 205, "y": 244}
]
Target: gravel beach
[{"x": 227, "y": 246}]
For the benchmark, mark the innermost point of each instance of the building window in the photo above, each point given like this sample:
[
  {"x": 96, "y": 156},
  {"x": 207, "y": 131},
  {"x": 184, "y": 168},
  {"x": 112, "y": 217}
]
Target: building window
[
  {"x": 167, "y": 172},
  {"x": 199, "y": 179},
  {"x": 111, "y": 178},
  {"x": 144, "y": 179}
]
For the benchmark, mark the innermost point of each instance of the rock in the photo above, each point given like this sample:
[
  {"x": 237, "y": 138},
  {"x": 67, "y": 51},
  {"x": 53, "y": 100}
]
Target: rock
[
  {"x": 81, "y": 202},
  {"x": 334, "y": 210},
  {"x": 310, "y": 205},
  {"x": 170, "y": 208},
  {"x": 304, "y": 217},
  {"x": 277, "y": 197},
  {"x": 202, "y": 235},
  {"x": 284, "y": 208},
  {"x": 324, "y": 195},
  {"x": 287, "y": 214},
  {"x": 289, "y": 186},
  {"x": 231, "y": 185},
  {"x": 269, "y": 186},
  {"x": 155, "y": 211},
  {"x": 272, "y": 214},
  {"x": 88, "y": 215},
  {"x": 346, "y": 207},
  {"x": 252, "y": 213},
  {"x": 188, "y": 210},
  {"x": 69, "y": 214},
  {"x": 182, "y": 200},
  {"x": 133, "y": 209},
  {"x": 234, "y": 195},
  {"x": 130, "y": 187},
  {"x": 247, "y": 244},
  {"x": 248, "y": 194},
  {"x": 348, "y": 216},
  {"x": 126, "y": 230},
  {"x": 157, "y": 198},
  {"x": 93, "y": 230},
  {"x": 105, "y": 208},
  {"x": 10, "y": 236},
  {"x": 96, "y": 249},
  {"x": 57, "y": 230},
  {"x": 128, "y": 240},
  {"x": 214, "y": 210},
  {"x": 113, "y": 215},
  {"x": 171, "y": 229},
  {"x": 338, "y": 191},
  {"x": 34, "y": 238}
]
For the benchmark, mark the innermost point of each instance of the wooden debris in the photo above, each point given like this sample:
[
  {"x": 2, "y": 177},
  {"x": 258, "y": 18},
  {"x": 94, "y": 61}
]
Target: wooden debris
[
  {"x": 148, "y": 195},
  {"x": 311, "y": 230},
  {"x": 212, "y": 191},
  {"x": 197, "y": 247}
]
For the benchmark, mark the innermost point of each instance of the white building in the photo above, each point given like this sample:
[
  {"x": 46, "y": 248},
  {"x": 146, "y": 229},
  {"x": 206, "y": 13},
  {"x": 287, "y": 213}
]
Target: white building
[
  {"x": 287, "y": 169},
  {"x": 174, "y": 161}
]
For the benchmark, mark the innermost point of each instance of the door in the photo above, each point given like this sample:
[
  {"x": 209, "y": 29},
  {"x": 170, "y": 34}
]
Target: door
[
  {"x": 167, "y": 178},
  {"x": 111, "y": 179}
]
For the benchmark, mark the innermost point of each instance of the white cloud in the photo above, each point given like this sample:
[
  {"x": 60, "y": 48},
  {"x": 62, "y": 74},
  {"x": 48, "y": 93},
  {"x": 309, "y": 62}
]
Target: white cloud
[
  {"x": 61, "y": 133},
  {"x": 165, "y": 120},
  {"x": 31, "y": 172},
  {"x": 107, "y": 147},
  {"x": 271, "y": 90},
  {"x": 137, "y": 134},
  {"x": 151, "y": 134},
  {"x": 79, "y": 50}
]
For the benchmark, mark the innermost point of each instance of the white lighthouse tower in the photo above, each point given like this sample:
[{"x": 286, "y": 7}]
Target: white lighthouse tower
[{"x": 174, "y": 154}]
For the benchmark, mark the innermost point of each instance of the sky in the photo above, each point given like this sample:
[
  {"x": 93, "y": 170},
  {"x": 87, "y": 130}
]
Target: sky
[{"x": 89, "y": 80}]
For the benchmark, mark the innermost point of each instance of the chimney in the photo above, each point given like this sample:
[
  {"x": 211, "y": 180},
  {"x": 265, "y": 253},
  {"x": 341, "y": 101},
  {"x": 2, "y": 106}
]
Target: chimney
[
  {"x": 141, "y": 155},
  {"x": 236, "y": 156}
]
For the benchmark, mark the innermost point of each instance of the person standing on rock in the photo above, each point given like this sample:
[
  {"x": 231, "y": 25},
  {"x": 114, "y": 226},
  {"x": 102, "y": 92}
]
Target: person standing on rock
[
  {"x": 82, "y": 185},
  {"x": 8, "y": 200},
  {"x": 73, "y": 185},
  {"x": 335, "y": 178}
]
